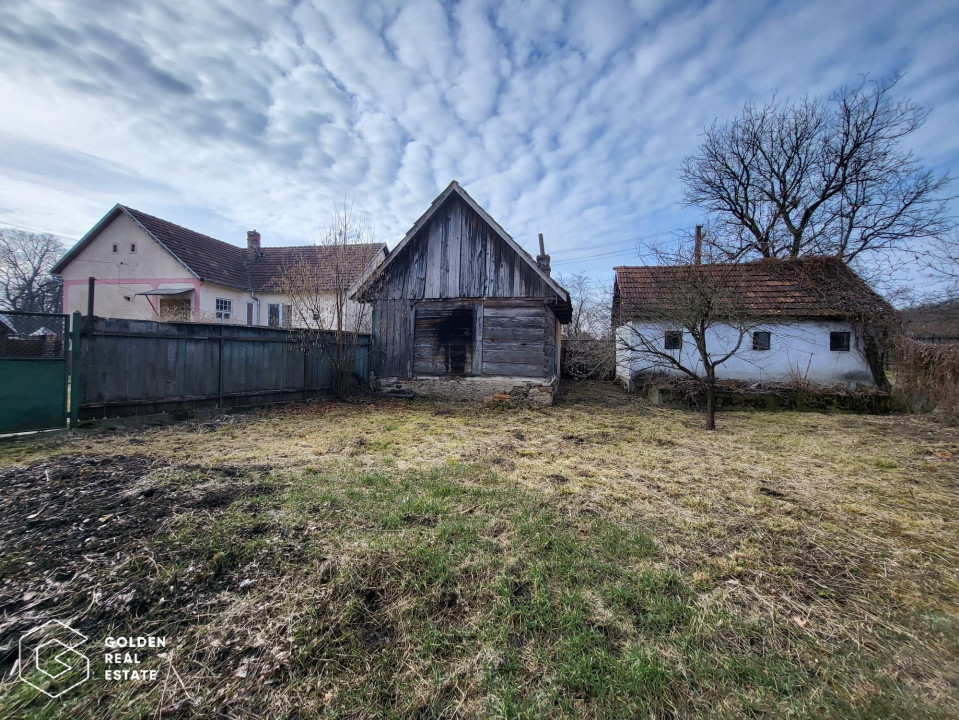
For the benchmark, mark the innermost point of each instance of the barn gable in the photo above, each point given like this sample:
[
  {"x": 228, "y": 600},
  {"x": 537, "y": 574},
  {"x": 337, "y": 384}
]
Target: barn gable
[{"x": 456, "y": 250}]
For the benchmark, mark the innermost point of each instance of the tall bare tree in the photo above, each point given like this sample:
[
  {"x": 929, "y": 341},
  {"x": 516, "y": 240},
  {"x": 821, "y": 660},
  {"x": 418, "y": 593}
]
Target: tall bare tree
[
  {"x": 589, "y": 350},
  {"x": 823, "y": 177},
  {"x": 26, "y": 259},
  {"x": 318, "y": 289}
]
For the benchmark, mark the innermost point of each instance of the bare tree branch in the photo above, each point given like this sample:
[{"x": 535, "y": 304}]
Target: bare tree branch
[
  {"x": 25, "y": 262},
  {"x": 318, "y": 289},
  {"x": 824, "y": 177},
  {"x": 697, "y": 303}
]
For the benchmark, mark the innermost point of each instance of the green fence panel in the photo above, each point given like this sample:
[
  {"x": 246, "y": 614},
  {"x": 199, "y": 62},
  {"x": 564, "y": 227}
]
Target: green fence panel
[
  {"x": 33, "y": 371},
  {"x": 32, "y": 394}
]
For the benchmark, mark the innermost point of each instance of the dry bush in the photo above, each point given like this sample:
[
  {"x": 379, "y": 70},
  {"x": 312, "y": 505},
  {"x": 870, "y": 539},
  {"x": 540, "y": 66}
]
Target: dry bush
[{"x": 927, "y": 377}]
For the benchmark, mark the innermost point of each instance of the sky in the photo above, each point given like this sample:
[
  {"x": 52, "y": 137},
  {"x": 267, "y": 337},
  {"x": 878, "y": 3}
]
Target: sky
[{"x": 567, "y": 119}]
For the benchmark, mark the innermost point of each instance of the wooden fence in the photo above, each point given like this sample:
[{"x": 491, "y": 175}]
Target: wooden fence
[{"x": 139, "y": 367}]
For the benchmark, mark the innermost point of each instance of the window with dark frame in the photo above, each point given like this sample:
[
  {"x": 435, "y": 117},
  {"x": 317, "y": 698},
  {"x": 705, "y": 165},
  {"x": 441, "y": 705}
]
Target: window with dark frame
[
  {"x": 839, "y": 341},
  {"x": 133, "y": 247},
  {"x": 224, "y": 309},
  {"x": 116, "y": 248},
  {"x": 674, "y": 340},
  {"x": 761, "y": 340},
  {"x": 273, "y": 315}
]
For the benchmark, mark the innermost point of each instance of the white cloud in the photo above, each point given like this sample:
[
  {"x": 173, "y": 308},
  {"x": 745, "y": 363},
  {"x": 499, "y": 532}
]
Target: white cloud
[{"x": 566, "y": 118}]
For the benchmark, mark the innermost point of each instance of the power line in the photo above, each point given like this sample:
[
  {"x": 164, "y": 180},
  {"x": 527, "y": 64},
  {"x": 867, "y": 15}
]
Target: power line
[
  {"x": 612, "y": 243},
  {"x": 39, "y": 232},
  {"x": 584, "y": 258}
]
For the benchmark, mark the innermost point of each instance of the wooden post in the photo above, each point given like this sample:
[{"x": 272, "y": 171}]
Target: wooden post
[
  {"x": 91, "y": 284},
  {"x": 75, "y": 391},
  {"x": 698, "y": 247},
  {"x": 219, "y": 373}
]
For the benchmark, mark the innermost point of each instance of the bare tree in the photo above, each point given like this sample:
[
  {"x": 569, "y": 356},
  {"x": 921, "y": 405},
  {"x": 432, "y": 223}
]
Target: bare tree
[
  {"x": 822, "y": 177},
  {"x": 589, "y": 350},
  {"x": 692, "y": 304},
  {"x": 318, "y": 289},
  {"x": 942, "y": 263},
  {"x": 26, "y": 259}
]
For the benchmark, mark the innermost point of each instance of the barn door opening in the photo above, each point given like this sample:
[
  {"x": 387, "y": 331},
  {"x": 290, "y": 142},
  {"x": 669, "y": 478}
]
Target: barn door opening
[{"x": 443, "y": 339}]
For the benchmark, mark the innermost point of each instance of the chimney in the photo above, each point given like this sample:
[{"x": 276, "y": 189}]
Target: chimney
[
  {"x": 698, "y": 247},
  {"x": 252, "y": 245},
  {"x": 542, "y": 259}
]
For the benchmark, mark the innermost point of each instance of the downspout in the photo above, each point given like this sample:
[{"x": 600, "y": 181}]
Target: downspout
[{"x": 256, "y": 319}]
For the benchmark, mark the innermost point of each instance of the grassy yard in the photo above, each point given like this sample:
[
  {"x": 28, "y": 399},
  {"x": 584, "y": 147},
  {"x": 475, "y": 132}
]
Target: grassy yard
[{"x": 601, "y": 558}]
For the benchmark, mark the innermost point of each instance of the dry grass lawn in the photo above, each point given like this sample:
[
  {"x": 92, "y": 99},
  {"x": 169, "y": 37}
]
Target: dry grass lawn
[{"x": 601, "y": 558}]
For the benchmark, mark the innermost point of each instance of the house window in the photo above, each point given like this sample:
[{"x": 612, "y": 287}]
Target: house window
[
  {"x": 287, "y": 316},
  {"x": 273, "y": 315},
  {"x": 116, "y": 248},
  {"x": 839, "y": 341},
  {"x": 674, "y": 339},
  {"x": 249, "y": 313},
  {"x": 133, "y": 247},
  {"x": 224, "y": 309},
  {"x": 761, "y": 340}
]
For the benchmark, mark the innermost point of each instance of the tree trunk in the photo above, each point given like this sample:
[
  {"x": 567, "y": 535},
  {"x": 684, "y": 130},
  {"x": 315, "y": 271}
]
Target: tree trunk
[
  {"x": 341, "y": 371},
  {"x": 873, "y": 355},
  {"x": 710, "y": 400}
]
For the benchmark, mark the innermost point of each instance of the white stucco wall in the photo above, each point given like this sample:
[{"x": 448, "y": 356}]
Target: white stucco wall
[
  {"x": 209, "y": 292},
  {"x": 122, "y": 274},
  {"x": 798, "y": 350},
  {"x": 122, "y": 277}
]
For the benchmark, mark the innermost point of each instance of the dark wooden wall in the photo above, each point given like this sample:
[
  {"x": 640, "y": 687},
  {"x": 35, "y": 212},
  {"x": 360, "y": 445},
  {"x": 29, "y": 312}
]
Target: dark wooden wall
[
  {"x": 139, "y": 367},
  {"x": 458, "y": 258}
]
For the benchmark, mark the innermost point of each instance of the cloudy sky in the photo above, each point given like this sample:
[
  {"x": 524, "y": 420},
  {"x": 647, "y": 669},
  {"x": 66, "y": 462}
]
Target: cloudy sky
[{"x": 569, "y": 119}]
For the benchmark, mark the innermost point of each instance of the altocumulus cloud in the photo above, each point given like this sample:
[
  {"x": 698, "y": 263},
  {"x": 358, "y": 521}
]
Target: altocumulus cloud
[{"x": 564, "y": 118}]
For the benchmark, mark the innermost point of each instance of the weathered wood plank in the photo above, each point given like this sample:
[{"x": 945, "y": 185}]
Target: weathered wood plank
[
  {"x": 534, "y": 370},
  {"x": 527, "y": 309},
  {"x": 507, "y": 333},
  {"x": 478, "y": 320}
]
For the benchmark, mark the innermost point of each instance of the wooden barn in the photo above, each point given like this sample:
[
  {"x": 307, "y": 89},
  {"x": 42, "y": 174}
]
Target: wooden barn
[{"x": 461, "y": 311}]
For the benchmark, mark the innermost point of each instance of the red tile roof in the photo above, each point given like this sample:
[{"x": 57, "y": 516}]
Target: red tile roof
[
  {"x": 219, "y": 262},
  {"x": 213, "y": 260},
  {"x": 327, "y": 263},
  {"x": 812, "y": 287}
]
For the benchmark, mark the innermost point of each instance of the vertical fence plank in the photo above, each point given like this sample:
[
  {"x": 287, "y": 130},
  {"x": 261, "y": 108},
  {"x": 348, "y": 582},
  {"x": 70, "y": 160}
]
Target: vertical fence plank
[{"x": 126, "y": 365}]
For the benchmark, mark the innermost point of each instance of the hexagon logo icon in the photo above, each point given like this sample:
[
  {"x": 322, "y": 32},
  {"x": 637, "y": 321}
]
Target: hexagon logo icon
[{"x": 49, "y": 660}]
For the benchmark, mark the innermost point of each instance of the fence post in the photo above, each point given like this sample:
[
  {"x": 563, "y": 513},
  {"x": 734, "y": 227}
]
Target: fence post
[
  {"x": 219, "y": 371},
  {"x": 75, "y": 391}
]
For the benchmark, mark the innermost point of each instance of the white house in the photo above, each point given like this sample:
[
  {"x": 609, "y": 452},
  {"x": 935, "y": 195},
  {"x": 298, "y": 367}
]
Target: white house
[
  {"x": 810, "y": 319},
  {"x": 146, "y": 268}
]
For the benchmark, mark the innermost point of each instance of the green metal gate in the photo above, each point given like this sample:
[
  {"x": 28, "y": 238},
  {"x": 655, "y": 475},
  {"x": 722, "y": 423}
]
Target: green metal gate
[{"x": 34, "y": 369}]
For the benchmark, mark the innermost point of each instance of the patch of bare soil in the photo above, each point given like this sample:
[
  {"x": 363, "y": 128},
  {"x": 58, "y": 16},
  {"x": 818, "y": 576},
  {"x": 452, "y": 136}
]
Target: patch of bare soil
[{"x": 71, "y": 523}]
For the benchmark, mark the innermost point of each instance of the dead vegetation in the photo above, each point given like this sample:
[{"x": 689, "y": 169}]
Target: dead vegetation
[
  {"x": 601, "y": 558},
  {"x": 927, "y": 377}
]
